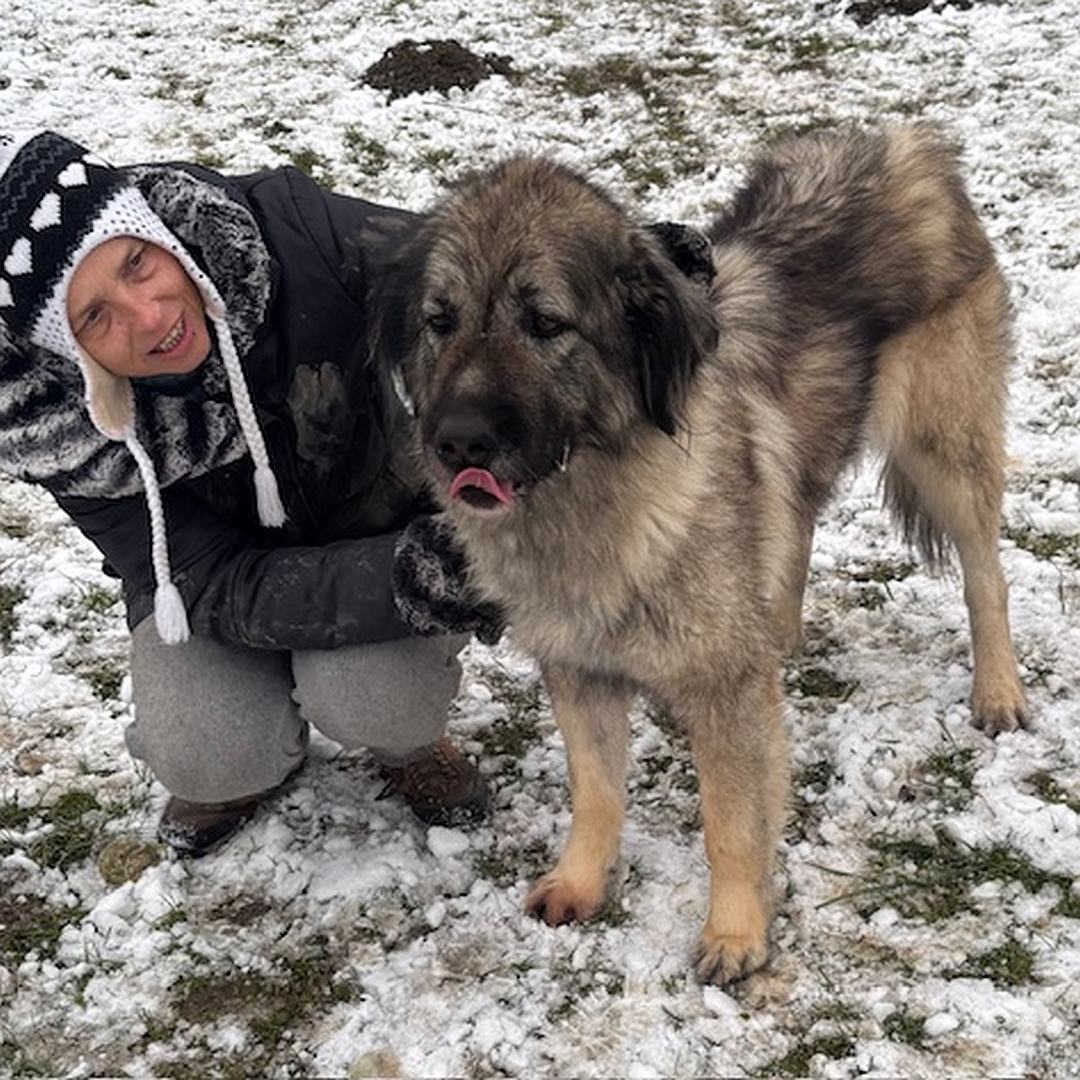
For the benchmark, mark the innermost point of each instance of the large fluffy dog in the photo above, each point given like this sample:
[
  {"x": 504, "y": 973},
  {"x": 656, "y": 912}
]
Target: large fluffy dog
[{"x": 634, "y": 461}]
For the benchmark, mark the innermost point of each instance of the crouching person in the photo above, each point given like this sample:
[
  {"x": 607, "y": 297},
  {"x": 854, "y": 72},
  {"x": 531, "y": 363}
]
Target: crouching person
[{"x": 182, "y": 367}]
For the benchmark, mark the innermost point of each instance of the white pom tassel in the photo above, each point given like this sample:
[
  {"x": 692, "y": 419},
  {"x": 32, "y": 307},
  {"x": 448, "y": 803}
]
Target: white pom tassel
[
  {"x": 267, "y": 495},
  {"x": 268, "y": 498},
  {"x": 169, "y": 614}
]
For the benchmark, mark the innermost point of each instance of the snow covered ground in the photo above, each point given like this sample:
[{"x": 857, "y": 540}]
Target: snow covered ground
[{"x": 930, "y": 921}]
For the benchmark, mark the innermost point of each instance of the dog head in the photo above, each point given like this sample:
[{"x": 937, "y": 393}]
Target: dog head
[{"x": 530, "y": 320}]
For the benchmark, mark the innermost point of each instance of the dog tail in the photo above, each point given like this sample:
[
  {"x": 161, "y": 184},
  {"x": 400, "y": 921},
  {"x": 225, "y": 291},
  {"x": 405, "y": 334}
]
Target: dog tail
[
  {"x": 917, "y": 527},
  {"x": 876, "y": 225}
]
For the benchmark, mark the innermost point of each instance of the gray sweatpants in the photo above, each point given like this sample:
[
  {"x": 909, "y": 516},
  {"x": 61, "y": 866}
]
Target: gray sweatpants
[{"x": 219, "y": 722}]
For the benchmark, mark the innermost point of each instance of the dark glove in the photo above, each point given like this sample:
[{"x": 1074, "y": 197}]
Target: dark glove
[
  {"x": 688, "y": 248},
  {"x": 430, "y": 578}
]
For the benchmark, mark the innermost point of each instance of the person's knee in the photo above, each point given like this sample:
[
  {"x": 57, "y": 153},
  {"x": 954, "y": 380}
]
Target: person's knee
[
  {"x": 213, "y": 722},
  {"x": 391, "y": 697}
]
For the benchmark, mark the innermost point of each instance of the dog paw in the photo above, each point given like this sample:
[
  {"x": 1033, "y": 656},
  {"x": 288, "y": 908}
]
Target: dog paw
[
  {"x": 995, "y": 716},
  {"x": 558, "y": 901},
  {"x": 998, "y": 721},
  {"x": 729, "y": 958}
]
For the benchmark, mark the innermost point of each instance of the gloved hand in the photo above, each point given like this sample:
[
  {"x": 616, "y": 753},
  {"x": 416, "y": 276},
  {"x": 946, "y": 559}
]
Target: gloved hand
[
  {"x": 687, "y": 247},
  {"x": 431, "y": 586}
]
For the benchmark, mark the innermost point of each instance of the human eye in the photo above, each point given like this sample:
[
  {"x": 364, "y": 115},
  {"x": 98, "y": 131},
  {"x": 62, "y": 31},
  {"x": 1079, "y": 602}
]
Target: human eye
[
  {"x": 139, "y": 263},
  {"x": 90, "y": 322}
]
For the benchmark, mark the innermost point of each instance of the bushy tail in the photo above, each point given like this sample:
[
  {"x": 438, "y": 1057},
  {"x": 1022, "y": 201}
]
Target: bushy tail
[
  {"x": 917, "y": 527},
  {"x": 873, "y": 223}
]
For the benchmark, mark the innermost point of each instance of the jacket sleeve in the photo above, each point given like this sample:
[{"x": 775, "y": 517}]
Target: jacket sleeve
[{"x": 237, "y": 591}]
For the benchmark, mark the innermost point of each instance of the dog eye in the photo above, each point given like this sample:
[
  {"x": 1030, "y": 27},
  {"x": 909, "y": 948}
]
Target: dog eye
[
  {"x": 539, "y": 324},
  {"x": 442, "y": 320}
]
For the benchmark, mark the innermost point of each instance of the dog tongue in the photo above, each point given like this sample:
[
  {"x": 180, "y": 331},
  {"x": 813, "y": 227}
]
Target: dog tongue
[{"x": 484, "y": 481}]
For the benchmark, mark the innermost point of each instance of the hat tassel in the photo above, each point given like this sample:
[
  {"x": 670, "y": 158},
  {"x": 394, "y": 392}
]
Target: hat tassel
[
  {"x": 267, "y": 495},
  {"x": 170, "y": 615}
]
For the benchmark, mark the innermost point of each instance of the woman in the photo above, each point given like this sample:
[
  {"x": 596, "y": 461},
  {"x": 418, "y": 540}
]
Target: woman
[{"x": 182, "y": 367}]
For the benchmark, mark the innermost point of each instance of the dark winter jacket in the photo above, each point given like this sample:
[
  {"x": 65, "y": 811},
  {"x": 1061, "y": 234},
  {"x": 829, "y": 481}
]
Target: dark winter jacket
[{"x": 293, "y": 263}]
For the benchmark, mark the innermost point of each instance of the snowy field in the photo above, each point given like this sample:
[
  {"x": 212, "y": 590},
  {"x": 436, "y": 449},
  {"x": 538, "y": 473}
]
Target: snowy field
[{"x": 930, "y": 916}]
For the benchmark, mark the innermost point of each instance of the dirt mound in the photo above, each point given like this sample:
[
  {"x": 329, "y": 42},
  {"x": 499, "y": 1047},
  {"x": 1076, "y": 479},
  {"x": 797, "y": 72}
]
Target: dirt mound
[
  {"x": 866, "y": 11},
  {"x": 411, "y": 67}
]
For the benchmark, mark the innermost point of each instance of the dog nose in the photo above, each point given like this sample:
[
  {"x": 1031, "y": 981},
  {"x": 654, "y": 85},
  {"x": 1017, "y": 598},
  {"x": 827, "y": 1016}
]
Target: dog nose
[{"x": 464, "y": 439}]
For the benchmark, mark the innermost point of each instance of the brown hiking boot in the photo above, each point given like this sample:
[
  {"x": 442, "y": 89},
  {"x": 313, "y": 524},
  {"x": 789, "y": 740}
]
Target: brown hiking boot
[
  {"x": 441, "y": 788},
  {"x": 193, "y": 829}
]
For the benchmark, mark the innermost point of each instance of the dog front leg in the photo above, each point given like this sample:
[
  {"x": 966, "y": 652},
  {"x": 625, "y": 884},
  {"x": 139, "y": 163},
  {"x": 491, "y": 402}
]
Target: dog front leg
[
  {"x": 592, "y": 714},
  {"x": 740, "y": 752}
]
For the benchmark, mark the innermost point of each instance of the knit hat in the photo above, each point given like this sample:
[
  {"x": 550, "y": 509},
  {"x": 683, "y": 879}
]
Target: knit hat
[{"x": 58, "y": 202}]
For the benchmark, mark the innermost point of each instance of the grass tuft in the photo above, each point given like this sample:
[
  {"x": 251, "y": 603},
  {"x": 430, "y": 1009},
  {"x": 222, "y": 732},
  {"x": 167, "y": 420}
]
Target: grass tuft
[
  {"x": 1051, "y": 546},
  {"x": 932, "y": 880},
  {"x": 1007, "y": 965},
  {"x": 31, "y": 925},
  {"x": 816, "y": 681},
  {"x": 796, "y": 1062},
  {"x": 11, "y": 596}
]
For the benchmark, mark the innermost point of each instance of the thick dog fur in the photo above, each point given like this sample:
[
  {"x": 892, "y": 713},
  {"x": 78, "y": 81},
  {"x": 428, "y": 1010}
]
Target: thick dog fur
[{"x": 635, "y": 462}]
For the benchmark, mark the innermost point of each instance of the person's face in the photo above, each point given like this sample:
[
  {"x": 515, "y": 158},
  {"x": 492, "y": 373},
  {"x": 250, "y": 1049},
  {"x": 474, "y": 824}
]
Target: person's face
[{"x": 135, "y": 310}]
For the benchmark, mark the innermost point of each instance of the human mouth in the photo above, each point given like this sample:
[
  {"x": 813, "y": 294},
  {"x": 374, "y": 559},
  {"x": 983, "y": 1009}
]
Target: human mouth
[{"x": 172, "y": 339}]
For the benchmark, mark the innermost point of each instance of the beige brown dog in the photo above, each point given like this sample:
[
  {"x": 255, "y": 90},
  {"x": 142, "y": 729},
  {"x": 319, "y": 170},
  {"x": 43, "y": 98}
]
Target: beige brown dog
[{"x": 635, "y": 461}]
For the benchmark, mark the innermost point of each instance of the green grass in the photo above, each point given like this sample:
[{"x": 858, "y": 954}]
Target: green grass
[
  {"x": 618, "y": 75},
  {"x": 99, "y": 599},
  {"x": 104, "y": 676},
  {"x": 61, "y": 834},
  {"x": 30, "y": 924},
  {"x": 946, "y": 777},
  {"x": 11, "y": 596},
  {"x": 873, "y": 580},
  {"x": 273, "y": 1005},
  {"x": 796, "y": 1062},
  {"x": 508, "y": 863},
  {"x": 816, "y": 681},
  {"x": 528, "y": 720},
  {"x": 1050, "y": 790},
  {"x": 1051, "y": 546},
  {"x": 74, "y": 819},
  {"x": 369, "y": 154},
  {"x": 16, "y": 1063},
  {"x": 932, "y": 880},
  {"x": 904, "y": 1026},
  {"x": 1008, "y": 965}
]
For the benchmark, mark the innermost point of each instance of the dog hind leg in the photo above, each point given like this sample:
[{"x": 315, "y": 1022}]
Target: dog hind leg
[
  {"x": 789, "y": 602},
  {"x": 940, "y": 406}
]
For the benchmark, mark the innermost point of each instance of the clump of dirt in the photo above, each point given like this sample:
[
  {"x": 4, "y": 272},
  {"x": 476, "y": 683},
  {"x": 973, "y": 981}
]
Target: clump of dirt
[
  {"x": 866, "y": 11},
  {"x": 411, "y": 67}
]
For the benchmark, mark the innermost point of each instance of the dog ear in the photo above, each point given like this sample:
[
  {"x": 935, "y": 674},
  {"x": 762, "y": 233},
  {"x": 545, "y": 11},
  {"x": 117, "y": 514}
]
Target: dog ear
[
  {"x": 672, "y": 329},
  {"x": 393, "y": 266}
]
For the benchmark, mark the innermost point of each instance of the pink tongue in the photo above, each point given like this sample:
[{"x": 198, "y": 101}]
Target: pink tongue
[{"x": 482, "y": 479}]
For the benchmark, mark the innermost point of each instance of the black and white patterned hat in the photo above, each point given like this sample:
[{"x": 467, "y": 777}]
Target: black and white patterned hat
[{"x": 58, "y": 202}]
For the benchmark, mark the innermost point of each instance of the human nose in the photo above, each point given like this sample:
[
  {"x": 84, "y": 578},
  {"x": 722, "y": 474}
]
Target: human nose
[{"x": 138, "y": 308}]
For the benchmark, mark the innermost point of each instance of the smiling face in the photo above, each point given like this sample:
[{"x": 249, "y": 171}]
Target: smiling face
[{"x": 135, "y": 310}]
